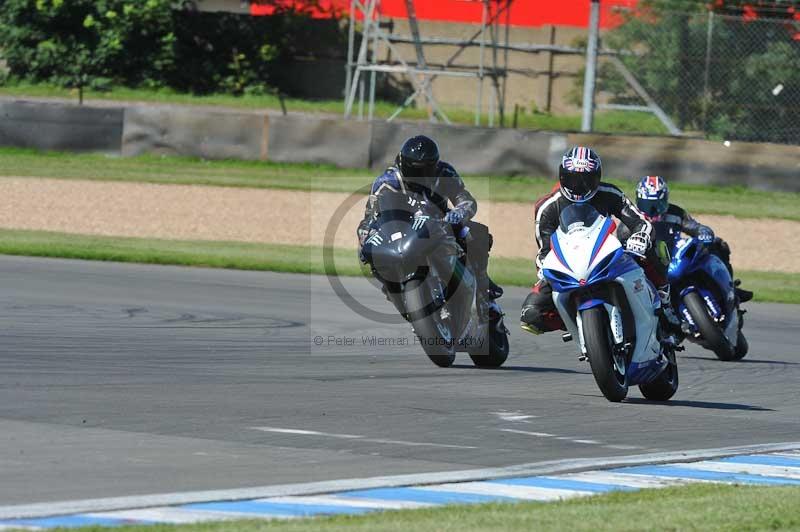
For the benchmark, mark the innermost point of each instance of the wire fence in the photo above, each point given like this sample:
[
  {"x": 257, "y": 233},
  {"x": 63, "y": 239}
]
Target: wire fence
[{"x": 720, "y": 76}]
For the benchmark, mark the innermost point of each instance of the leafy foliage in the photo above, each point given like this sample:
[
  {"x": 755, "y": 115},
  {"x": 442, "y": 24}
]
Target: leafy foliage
[{"x": 80, "y": 42}]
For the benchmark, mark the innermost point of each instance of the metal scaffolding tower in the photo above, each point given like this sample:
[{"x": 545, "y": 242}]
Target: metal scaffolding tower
[{"x": 493, "y": 35}]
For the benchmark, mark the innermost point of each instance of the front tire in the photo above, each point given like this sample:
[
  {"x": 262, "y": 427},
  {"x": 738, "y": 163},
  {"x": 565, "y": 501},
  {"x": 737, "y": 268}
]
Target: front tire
[
  {"x": 710, "y": 332},
  {"x": 440, "y": 349},
  {"x": 498, "y": 347},
  {"x": 610, "y": 377}
]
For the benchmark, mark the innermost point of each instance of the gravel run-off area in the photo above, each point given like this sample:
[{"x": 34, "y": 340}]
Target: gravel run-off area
[{"x": 294, "y": 217}]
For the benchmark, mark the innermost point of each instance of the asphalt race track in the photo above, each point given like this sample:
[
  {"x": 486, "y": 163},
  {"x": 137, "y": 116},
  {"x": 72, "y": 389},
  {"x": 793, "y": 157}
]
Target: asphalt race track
[{"x": 120, "y": 379}]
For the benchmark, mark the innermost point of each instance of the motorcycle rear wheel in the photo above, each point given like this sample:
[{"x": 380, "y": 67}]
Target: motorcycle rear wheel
[
  {"x": 418, "y": 300},
  {"x": 663, "y": 387},
  {"x": 596, "y": 333},
  {"x": 710, "y": 332}
]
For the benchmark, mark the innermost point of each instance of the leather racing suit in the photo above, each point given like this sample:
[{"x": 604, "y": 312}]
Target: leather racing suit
[{"x": 447, "y": 187}]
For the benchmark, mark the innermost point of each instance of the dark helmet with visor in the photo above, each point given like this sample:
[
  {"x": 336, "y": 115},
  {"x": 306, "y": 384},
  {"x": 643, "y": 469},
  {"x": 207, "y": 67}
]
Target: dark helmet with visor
[
  {"x": 418, "y": 159},
  {"x": 579, "y": 174}
]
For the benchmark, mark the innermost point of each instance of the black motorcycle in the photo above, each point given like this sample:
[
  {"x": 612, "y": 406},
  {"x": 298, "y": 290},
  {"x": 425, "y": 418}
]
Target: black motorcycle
[{"x": 425, "y": 274}]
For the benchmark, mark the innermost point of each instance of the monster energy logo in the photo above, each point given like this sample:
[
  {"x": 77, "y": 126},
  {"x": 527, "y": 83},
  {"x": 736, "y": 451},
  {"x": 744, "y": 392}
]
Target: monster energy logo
[
  {"x": 375, "y": 240},
  {"x": 419, "y": 221}
]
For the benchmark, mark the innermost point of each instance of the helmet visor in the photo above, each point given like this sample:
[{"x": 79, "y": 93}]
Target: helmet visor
[
  {"x": 421, "y": 169},
  {"x": 579, "y": 185},
  {"x": 653, "y": 207}
]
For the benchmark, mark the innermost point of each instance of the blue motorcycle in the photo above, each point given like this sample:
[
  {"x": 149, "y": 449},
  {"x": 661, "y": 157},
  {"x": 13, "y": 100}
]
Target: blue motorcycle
[{"x": 703, "y": 296}]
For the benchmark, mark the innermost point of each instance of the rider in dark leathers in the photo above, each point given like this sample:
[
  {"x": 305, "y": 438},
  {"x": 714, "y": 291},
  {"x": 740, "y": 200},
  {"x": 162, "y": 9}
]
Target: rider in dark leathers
[
  {"x": 419, "y": 172},
  {"x": 652, "y": 198},
  {"x": 579, "y": 177}
]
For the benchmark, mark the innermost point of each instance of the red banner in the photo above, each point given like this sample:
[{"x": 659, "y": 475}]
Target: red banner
[{"x": 524, "y": 13}]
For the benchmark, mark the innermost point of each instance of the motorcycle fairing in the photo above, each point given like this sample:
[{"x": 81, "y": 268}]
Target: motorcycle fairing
[
  {"x": 412, "y": 242},
  {"x": 585, "y": 257},
  {"x": 691, "y": 268}
]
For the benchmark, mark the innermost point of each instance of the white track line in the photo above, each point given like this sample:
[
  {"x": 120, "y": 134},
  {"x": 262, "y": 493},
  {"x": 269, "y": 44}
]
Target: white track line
[
  {"x": 308, "y": 433},
  {"x": 514, "y": 417},
  {"x": 531, "y": 493},
  {"x": 585, "y": 442},
  {"x": 529, "y": 433},
  {"x": 548, "y": 435},
  {"x": 360, "y": 438}
]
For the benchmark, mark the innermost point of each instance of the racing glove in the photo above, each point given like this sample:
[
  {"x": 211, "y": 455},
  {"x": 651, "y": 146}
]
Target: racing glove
[
  {"x": 638, "y": 243},
  {"x": 456, "y": 216},
  {"x": 706, "y": 236}
]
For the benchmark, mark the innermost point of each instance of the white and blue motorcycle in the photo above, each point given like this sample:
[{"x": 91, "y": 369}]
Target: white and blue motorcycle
[{"x": 610, "y": 307}]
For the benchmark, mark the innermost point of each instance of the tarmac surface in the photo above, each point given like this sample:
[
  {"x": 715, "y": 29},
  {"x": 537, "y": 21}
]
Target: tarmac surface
[{"x": 120, "y": 379}]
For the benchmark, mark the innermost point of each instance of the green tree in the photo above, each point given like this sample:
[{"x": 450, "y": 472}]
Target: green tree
[
  {"x": 747, "y": 88},
  {"x": 161, "y": 43}
]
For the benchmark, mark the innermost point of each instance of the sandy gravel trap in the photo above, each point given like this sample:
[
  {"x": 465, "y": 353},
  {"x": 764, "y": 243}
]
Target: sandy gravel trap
[{"x": 295, "y": 217}]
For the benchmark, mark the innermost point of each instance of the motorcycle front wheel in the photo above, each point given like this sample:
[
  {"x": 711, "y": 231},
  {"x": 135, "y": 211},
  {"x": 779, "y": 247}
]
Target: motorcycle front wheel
[
  {"x": 609, "y": 373},
  {"x": 434, "y": 333},
  {"x": 710, "y": 332}
]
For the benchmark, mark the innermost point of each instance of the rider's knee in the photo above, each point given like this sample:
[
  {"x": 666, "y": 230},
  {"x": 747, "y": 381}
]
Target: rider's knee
[{"x": 722, "y": 247}]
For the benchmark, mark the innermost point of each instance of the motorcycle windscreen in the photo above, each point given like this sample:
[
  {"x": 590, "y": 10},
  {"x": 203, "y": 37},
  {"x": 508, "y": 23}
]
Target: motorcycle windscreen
[
  {"x": 395, "y": 206},
  {"x": 577, "y": 215}
]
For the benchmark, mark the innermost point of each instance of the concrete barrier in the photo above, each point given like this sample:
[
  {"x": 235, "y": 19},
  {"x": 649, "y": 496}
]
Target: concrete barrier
[
  {"x": 229, "y": 134},
  {"x": 761, "y": 165},
  {"x": 198, "y": 132},
  {"x": 299, "y": 139},
  {"x": 474, "y": 150},
  {"x": 47, "y": 126}
]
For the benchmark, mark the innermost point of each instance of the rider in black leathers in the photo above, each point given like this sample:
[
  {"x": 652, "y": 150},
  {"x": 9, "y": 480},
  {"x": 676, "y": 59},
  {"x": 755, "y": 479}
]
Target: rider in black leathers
[
  {"x": 652, "y": 198},
  {"x": 579, "y": 177},
  {"x": 419, "y": 172}
]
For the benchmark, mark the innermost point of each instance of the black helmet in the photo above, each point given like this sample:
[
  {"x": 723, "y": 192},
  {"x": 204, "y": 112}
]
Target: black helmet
[
  {"x": 579, "y": 174},
  {"x": 418, "y": 159}
]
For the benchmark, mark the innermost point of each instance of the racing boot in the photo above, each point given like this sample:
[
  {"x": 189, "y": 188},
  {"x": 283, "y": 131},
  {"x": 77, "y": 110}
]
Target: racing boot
[
  {"x": 536, "y": 322},
  {"x": 487, "y": 292},
  {"x": 539, "y": 314},
  {"x": 667, "y": 312},
  {"x": 742, "y": 295}
]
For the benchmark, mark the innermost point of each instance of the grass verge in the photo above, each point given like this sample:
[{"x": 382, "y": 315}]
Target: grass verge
[
  {"x": 774, "y": 287},
  {"x": 701, "y": 507},
  {"x": 605, "y": 121},
  {"x": 735, "y": 201}
]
